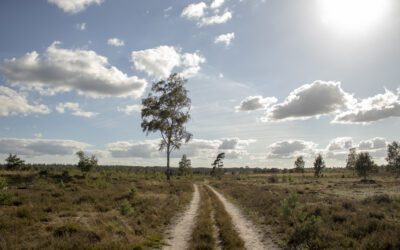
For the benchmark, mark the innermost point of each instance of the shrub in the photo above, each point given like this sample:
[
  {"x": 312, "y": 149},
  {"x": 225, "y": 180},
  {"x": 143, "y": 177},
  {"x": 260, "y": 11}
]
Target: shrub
[
  {"x": 273, "y": 179},
  {"x": 86, "y": 163},
  {"x": 364, "y": 164},
  {"x": 126, "y": 208},
  {"x": 13, "y": 162},
  {"x": 288, "y": 207}
]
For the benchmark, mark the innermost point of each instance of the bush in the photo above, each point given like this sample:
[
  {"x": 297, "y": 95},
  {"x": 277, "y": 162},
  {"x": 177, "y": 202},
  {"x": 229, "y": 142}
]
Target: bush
[
  {"x": 126, "y": 208},
  {"x": 273, "y": 179},
  {"x": 86, "y": 163},
  {"x": 13, "y": 162}
]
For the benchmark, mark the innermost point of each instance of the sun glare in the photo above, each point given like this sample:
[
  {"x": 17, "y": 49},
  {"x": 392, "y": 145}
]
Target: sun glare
[{"x": 353, "y": 16}]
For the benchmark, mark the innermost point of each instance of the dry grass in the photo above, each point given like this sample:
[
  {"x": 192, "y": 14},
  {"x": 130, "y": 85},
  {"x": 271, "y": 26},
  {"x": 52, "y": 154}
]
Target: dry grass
[
  {"x": 204, "y": 231},
  {"x": 111, "y": 209},
  {"x": 336, "y": 211}
]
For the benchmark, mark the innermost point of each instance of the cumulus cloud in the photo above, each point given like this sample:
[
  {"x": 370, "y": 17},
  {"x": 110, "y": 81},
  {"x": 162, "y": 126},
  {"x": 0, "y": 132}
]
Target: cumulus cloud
[
  {"x": 116, "y": 42},
  {"x": 216, "y": 4},
  {"x": 75, "y": 109},
  {"x": 196, "y": 148},
  {"x": 65, "y": 70},
  {"x": 160, "y": 61},
  {"x": 225, "y": 38},
  {"x": 36, "y": 147},
  {"x": 130, "y": 109},
  {"x": 198, "y": 12},
  {"x": 311, "y": 100},
  {"x": 340, "y": 143},
  {"x": 216, "y": 19},
  {"x": 291, "y": 148},
  {"x": 74, "y": 6},
  {"x": 251, "y": 103},
  {"x": 14, "y": 103},
  {"x": 372, "y": 109},
  {"x": 194, "y": 11},
  {"x": 374, "y": 143}
]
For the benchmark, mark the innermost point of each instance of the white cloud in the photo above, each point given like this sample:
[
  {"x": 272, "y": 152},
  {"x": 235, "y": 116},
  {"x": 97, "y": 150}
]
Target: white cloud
[
  {"x": 225, "y": 38},
  {"x": 291, "y": 148},
  {"x": 216, "y": 4},
  {"x": 13, "y": 103},
  {"x": 251, "y": 103},
  {"x": 216, "y": 19},
  {"x": 130, "y": 109},
  {"x": 378, "y": 107},
  {"x": 194, "y": 11},
  {"x": 75, "y": 108},
  {"x": 81, "y": 26},
  {"x": 196, "y": 148},
  {"x": 160, "y": 61},
  {"x": 198, "y": 12},
  {"x": 115, "y": 42},
  {"x": 74, "y": 6},
  {"x": 34, "y": 147},
  {"x": 340, "y": 143},
  {"x": 65, "y": 70},
  {"x": 311, "y": 100},
  {"x": 374, "y": 143}
]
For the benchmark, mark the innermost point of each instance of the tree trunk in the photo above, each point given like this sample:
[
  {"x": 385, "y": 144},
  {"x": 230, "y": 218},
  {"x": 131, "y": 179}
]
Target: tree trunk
[{"x": 168, "y": 172}]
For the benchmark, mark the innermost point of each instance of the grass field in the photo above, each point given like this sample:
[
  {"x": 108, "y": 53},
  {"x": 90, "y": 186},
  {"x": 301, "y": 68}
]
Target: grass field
[
  {"x": 126, "y": 210},
  {"x": 69, "y": 210},
  {"x": 337, "y": 211}
]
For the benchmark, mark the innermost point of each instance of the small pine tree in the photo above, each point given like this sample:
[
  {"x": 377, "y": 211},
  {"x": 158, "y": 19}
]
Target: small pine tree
[
  {"x": 364, "y": 164},
  {"x": 185, "y": 166},
  {"x": 13, "y": 162},
  {"x": 351, "y": 159},
  {"x": 218, "y": 165},
  {"x": 86, "y": 163},
  {"x": 319, "y": 165},
  {"x": 299, "y": 164},
  {"x": 393, "y": 157}
]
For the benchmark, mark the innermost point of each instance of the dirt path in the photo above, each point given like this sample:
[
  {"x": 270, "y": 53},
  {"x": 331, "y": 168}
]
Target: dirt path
[
  {"x": 252, "y": 238},
  {"x": 181, "y": 232}
]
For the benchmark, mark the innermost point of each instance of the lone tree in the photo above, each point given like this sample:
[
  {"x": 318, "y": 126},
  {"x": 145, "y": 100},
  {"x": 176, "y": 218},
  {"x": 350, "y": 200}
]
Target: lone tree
[
  {"x": 86, "y": 163},
  {"x": 319, "y": 165},
  {"x": 351, "y": 159},
  {"x": 299, "y": 164},
  {"x": 185, "y": 166},
  {"x": 393, "y": 157},
  {"x": 166, "y": 110},
  {"x": 13, "y": 162},
  {"x": 218, "y": 164},
  {"x": 364, "y": 164}
]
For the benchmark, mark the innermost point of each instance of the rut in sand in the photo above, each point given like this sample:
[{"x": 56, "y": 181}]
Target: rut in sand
[
  {"x": 252, "y": 238},
  {"x": 181, "y": 232}
]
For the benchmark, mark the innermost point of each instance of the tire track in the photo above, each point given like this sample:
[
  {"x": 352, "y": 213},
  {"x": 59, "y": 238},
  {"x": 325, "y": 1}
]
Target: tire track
[
  {"x": 181, "y": 232},
  {"x": 251, "y": 237}
]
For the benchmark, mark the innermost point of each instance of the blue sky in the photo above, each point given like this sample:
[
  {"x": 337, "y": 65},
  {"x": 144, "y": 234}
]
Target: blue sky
[{"x": 269, "y": 80}]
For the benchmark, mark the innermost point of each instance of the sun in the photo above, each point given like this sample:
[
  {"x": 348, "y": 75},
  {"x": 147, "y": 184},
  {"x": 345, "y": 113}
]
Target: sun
[{"x": 353, "y": 16}]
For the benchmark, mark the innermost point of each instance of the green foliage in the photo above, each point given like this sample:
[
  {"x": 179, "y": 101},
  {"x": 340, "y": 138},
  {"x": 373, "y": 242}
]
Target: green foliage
[
  {"x": 319, "y": 165},
  {"x": 5, "y": 196},
  {"x": 288, "y": 207},
  {"x": 393, "y": 157},
  {"x": 185, "y": 166},
  {"x": 364, "y": 164},
  {"x": 13, "y": 162},
  {"x": 126, "y": 208},
  {"x": 299, "y": 164},
  {"x": 86, "y": 163},
  {"x": 166, "y": 110},
  {"x": 351, "y": 159}
]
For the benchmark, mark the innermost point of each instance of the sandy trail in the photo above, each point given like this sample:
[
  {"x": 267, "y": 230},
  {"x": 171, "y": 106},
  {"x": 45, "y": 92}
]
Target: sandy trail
[
  {"x": 181, "y": 232},
  {"x": 253, "y": 240}
]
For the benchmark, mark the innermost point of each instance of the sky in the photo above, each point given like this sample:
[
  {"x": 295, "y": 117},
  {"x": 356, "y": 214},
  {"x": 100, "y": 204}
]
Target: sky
[{"x": 269, "y": 80}]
